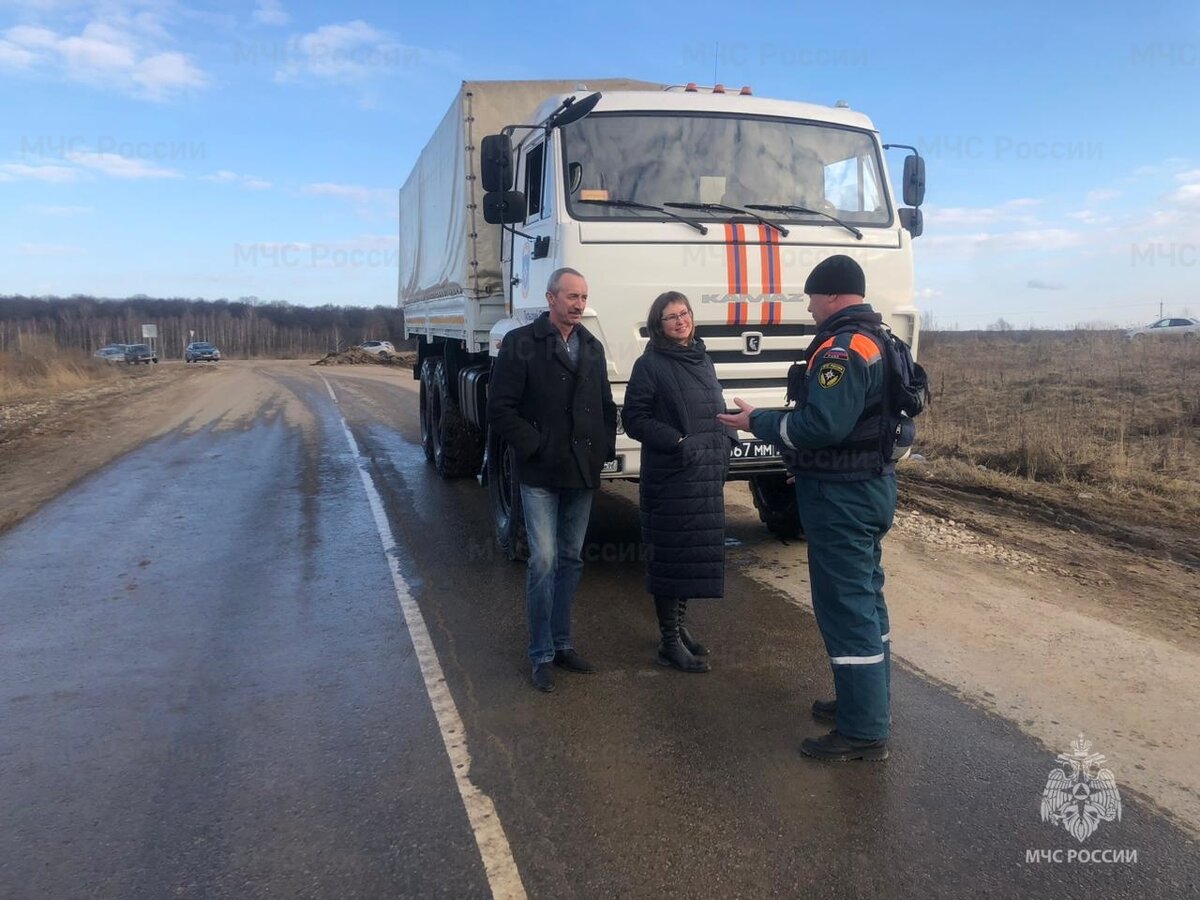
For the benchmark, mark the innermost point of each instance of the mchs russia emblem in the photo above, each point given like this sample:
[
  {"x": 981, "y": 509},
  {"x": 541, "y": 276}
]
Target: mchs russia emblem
[{"x": 1081, "y": 794}]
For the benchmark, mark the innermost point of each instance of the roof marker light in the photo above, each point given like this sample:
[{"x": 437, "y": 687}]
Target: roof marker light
[
  {"x": 691, "y": 87},
  {"x": 718, "y": 89},
  {"x": 745, "y": 91}
]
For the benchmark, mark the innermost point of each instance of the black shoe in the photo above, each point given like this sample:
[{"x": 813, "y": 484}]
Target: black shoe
[
  {"x": 571, "y": 661},
  {"x": 825, "y": 710},
  {"x": 543, "y": 677},
  {"x": 836, "y": 746},
  {"x": 677, "y": 656}
]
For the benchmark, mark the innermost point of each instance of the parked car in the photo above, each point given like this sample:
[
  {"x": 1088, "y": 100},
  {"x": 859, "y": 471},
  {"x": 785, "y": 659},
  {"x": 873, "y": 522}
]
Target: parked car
[
  {"x": 199, "y": 350},
  {"x": 1175, "y": 326},
  {"x": 382, "y": 349},
  {"x": 140, "y": 353},
  {"x": 111, "y": 354}
]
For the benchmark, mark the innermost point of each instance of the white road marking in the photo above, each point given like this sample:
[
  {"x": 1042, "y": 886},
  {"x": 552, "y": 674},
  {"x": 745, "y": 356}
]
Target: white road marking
[{"x": 498, "y": 863}]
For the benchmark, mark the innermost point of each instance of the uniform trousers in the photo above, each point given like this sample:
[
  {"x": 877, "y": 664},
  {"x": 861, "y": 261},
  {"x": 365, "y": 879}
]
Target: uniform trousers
[{"x": 844, "y": 523}]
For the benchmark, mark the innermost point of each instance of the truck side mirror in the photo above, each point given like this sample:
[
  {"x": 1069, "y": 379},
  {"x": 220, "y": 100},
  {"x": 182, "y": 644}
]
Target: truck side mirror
[
  {"x": 912, "y": 220},
  {"x": 914, "y": 180},
  {"x": 496, "y": 162},
  {"x": 503, "y": 207}
]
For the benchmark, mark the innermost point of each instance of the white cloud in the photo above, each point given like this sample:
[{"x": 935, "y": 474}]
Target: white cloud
[
  {"x": 14, "y": 57},
  {"x": 1013, "y": 211},
  {"x": 28, "y": 36},
  {"x": 271, "y": 12},
  {"x": 1088, "y": 217},
  {"x": 100, "y": 48},
  {"x": 353, "y": 52},
  {"x": 1171, "y": 166},
  {"x": 249, "y": 182},
  {"x": 64, "y": 212},
  {"x": 1028, "y": 239},
  {"x": 1038, "y": 285},
  {"x": 1100, "y": 196},
  {"x": 116, "y": 166},
  {"x": 352, "y": 192},
  {"x": 30, "y": 249},
  {"x": 1187, "y": 195},
  {"x": 165, "y": 73},
  {"x": 119, "y": 53},
  {"x": 342, "y": 53},
  {"x": 52, "y": 174}
]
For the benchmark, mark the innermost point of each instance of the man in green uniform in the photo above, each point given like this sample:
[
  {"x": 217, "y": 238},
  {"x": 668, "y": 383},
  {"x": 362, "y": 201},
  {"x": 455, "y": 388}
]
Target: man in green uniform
[{"x": 846, "y": 490}]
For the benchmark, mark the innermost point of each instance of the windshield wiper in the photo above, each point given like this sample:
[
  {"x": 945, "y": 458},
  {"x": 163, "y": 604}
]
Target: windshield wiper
[
  {"x": 733, "y": 209},
  {"x": 788, "y": 207},
  {"x": 633, "y": 204}
]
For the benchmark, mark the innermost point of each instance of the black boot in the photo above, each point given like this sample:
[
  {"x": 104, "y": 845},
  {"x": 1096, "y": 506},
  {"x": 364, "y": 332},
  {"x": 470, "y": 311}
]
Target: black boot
[
  {"x": 685, "y": 637},
  {"x": 671, "y": 651}
]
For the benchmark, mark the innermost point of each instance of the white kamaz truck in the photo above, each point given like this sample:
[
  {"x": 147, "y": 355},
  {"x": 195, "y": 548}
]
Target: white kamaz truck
[{"x": 725, "y": 196}]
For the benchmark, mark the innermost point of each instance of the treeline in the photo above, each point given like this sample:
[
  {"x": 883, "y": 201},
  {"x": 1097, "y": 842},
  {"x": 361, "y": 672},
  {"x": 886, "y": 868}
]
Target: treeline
[{"x": 237, "y": 327}]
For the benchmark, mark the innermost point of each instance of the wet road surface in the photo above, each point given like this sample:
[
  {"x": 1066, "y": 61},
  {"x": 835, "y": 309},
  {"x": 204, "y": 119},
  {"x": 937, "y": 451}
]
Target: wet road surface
[{"x": 208, "y": 689}]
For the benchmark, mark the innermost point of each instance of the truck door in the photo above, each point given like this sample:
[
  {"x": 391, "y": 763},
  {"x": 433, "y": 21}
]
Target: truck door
[{"x": 534, "y": 260}]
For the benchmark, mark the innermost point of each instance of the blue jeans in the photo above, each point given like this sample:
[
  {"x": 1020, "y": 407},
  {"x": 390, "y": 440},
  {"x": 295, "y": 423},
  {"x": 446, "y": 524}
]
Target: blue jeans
[{"x": 556, "y": 520}]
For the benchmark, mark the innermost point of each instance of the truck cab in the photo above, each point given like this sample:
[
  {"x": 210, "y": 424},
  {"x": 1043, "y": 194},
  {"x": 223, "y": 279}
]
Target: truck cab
[{"x": 724, "y": 196}]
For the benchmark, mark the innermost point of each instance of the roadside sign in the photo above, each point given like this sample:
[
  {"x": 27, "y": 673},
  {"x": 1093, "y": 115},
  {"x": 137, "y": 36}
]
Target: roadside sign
[{"x": 149, "y": 331}]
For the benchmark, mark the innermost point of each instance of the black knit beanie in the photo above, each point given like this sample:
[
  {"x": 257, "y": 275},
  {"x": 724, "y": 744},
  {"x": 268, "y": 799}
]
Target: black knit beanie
[{"x": 837, "y": 275}]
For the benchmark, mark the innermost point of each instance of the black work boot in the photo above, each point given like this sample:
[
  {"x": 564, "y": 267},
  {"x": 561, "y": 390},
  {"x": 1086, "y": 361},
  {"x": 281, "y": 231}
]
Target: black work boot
[
  {"x": 671, "y": 651},
  {"x": 685, "y": 637},
  {"x": 837, "y": 747}
]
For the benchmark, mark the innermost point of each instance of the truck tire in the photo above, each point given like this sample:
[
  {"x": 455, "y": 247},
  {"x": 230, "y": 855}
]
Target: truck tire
[
  {"x": 457, "y": 450},
  {"x": 426, "y": 423},
  {"x": 504, "y": 498},
  {"x": 775, "y": 501}
]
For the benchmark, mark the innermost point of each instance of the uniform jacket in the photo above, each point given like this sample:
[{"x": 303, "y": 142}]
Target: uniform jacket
[
  {"x": 673, "y": 392},
  {"x": 559, "y": 418},
  {"x": 835, "y": 431}
]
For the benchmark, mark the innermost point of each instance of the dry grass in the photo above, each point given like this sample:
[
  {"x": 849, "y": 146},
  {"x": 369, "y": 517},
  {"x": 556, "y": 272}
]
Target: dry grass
[
  {"x": 1069, "y": 408},
  {"x": 38, "y": 367}
]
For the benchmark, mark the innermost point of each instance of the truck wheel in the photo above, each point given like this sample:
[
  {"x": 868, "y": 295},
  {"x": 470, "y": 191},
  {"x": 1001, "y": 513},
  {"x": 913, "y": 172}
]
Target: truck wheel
[
  {"x": 426, "y": 422},
  {"x": 457, "y": 450},
  {"x": 775, "y": 501},
  {"x": 504, "y": 495}
]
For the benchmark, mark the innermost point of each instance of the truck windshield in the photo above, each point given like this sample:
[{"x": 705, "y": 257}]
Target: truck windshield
[{"x": 656, "y": 158}]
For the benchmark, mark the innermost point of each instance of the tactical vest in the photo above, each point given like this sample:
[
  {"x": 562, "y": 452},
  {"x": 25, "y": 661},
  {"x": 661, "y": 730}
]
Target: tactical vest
[{"x": 860, "y": 456}]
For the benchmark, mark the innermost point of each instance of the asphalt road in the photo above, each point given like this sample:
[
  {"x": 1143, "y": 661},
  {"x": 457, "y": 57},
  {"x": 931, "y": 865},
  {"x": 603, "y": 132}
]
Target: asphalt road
[{"x": 214, "y": 683}]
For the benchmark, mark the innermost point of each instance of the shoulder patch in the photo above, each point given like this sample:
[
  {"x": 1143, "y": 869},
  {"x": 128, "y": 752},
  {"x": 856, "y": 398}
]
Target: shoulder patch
[
  {"x": 830, "y": 374},
  {"x": 865, "y": 347},
  {"x": 837, "y": 353}
]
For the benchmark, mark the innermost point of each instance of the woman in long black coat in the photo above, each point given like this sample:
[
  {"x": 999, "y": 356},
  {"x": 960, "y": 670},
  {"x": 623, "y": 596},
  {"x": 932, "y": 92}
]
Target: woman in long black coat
[{"x": 671, "y": 407}]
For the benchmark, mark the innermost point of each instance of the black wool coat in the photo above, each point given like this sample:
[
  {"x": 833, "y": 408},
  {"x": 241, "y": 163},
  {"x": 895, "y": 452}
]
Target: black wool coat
[
  {"x": 559, "y": 418},
  {"x": 673, "y": 393}
]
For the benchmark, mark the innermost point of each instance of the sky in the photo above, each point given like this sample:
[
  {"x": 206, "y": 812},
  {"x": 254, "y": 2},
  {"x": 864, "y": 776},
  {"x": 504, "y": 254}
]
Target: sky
[{"x": 255, "y": 150}]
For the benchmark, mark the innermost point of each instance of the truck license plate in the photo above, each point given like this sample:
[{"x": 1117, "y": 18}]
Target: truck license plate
[{"x": 754, "y": 450}]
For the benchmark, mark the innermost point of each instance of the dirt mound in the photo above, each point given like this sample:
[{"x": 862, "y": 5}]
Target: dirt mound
[{"x": 356, "y": 357}]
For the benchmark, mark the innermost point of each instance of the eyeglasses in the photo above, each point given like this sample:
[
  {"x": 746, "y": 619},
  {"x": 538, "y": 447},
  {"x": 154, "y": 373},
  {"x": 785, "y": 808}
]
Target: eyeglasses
[{"x": 677, "y": 317}]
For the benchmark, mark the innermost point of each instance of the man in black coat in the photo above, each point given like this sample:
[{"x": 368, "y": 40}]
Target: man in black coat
[{"x": 551, "y": 401}]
